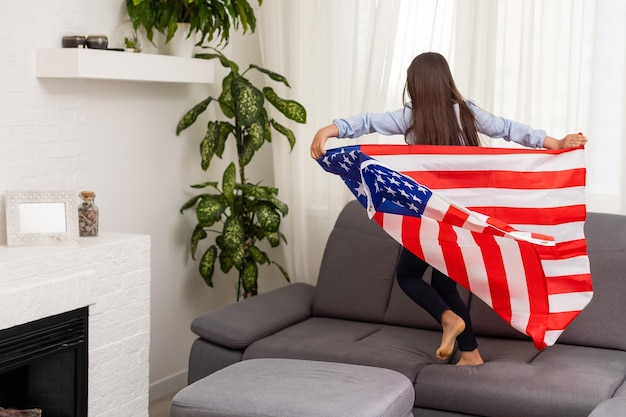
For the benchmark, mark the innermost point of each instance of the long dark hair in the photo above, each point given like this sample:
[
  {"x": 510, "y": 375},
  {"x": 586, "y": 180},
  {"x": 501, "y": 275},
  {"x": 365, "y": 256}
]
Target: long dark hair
[{"x": 431, "y": 88}]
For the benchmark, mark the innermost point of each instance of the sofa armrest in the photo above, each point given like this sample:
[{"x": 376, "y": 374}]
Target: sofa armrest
[{"x": 237, "y": 325}]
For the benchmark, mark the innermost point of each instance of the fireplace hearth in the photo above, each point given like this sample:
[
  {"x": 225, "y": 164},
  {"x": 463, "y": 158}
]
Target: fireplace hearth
[{"x": 43, "y": 364}]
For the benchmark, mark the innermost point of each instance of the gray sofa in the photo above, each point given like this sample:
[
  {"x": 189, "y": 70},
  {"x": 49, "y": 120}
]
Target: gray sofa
[{"x": 357, "y": 314}]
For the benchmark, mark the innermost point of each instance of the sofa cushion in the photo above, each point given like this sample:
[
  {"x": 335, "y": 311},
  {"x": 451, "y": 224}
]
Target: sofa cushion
[
  {"x": 610, "y": 408},
  {"x": 560, "y": 381},
  {"x": 404, "y": 350}
]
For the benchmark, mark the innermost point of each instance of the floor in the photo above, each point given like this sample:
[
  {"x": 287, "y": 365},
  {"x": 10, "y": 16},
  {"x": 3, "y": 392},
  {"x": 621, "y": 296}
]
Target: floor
[{"x": 161, "y": 406}]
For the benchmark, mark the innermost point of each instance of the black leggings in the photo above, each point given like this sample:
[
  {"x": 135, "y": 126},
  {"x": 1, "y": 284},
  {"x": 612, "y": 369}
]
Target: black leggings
[{"x": 436, "y": 298}]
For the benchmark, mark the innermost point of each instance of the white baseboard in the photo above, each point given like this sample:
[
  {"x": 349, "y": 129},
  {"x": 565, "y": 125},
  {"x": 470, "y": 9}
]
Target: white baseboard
[{"x": 167, "y": 385}]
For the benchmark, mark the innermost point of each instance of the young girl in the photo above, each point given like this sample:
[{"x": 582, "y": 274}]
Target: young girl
[{"x": 437, "y": 114}]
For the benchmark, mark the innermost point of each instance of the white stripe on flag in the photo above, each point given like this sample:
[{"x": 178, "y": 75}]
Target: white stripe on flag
[
  {"x": 505, "y": 197},
  {"x": 567, "y": 266},
  {"x": 531, "y": 162},
  {"x": 478, "y": 281},
  {"x": 433, "y": 254},
  {"x": 393, "y": 226},
  {"x": 571, "y": 301},
  {"x": 516, "y": 280},
  {"x": 551, "y": 336},
  {"x": 566, "y": 232}
]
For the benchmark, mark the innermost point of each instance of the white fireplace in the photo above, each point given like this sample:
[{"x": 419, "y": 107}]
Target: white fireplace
[{"x": 111, "y": 275}]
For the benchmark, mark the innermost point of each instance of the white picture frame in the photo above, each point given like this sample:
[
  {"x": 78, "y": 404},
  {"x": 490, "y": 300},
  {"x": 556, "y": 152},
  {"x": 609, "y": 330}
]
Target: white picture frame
[{"x": 42, "y": 218}]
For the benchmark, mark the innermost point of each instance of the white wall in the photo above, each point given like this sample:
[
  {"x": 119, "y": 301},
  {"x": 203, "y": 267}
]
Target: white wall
[{"x": 118, "y": 139}]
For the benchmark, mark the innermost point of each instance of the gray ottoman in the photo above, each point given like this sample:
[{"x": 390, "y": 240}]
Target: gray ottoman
[{"x": 296, "y": 388}]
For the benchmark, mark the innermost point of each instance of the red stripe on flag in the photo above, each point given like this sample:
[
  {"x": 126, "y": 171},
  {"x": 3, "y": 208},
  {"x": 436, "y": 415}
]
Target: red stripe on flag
[
  {"x": 540, "y": 216},
  {"x": 569, "y": 283},
  {"x": 537, "y": 294},
  {"x": 496, "y": 275},
  {"x": 455, "y": 263},
  {"x": 455, "y": 217},
  {"x": 559, "y": 321},
  {"x": 410, "y": 235},
  {"x": 563, "y": 250},
  {"x": 379, "y": 218},
  {"x": 500, "y": 179}
]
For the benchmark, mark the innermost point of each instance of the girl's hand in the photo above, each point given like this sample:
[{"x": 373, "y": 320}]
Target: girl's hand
[
  {"x": 319, "y": 140},
  {"x": 572, "y": 140}
]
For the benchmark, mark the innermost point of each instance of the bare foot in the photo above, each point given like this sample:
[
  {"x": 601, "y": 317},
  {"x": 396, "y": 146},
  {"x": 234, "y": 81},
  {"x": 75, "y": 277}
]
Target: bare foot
[
  {"x": 453, "y": 326},
  {"x": 471, "y": 358}
]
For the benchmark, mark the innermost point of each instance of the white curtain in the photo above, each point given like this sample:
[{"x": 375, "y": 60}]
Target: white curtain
[{"x": 554, "y": 64}]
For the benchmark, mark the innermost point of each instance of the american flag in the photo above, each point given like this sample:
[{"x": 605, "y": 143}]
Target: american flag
[{"x": 507, "y": 224}]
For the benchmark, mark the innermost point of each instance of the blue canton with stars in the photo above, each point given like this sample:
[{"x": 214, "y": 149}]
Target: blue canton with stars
[{"x": 389, "y": 191}]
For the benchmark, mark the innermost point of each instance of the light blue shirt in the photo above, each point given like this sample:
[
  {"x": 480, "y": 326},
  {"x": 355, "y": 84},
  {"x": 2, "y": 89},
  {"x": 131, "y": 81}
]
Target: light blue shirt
[{"x": 397, "y": 122}]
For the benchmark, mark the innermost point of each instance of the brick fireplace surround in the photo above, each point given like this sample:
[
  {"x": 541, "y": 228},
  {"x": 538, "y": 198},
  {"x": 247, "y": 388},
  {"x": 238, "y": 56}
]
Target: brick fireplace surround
[{"x": 110, "y": 274}]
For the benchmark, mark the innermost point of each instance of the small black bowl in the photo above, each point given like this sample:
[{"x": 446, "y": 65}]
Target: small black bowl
[
  {"x": 97, "y": 42},
  {"x": 73, "y": 41}
]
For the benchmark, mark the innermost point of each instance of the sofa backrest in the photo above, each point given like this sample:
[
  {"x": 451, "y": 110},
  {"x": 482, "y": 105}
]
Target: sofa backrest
[
  {"x": 357, "y": 282},
  {"x": 357, "y": 275},
  {"x": 603, "y": 322}
]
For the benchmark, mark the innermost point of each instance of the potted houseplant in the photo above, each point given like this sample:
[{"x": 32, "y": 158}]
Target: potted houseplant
[
  {"x": 208, "y": 19},
  {"x": 132, "y": 43},
  {"x": 246, "y": 212}
]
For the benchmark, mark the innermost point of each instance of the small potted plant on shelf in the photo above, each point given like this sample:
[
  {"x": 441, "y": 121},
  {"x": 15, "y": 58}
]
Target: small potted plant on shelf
[
  {"x": 132, "y": 43},
  {"x": 208, "y": 19}
]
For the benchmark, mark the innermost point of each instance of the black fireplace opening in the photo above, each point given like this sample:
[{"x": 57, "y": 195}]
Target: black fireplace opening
[{"x": 43, "y": 364}]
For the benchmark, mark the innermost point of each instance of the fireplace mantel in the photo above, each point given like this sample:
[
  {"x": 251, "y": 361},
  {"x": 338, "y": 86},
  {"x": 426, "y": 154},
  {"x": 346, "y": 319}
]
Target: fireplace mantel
[{"x": 110, "y": 274}]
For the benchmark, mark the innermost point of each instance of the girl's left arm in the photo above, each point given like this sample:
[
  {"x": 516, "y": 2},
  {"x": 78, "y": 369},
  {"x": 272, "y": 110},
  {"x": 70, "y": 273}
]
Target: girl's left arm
[{"x": 570, "y": 141}]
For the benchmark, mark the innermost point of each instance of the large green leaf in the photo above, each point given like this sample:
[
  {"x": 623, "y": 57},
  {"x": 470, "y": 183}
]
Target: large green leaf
[
  {"x": 225, "y": 130},
  {"x": 190, "y": 203},
  {"x": 237, "y": 257},
  {"x": 247, "y": 151},
  {"x": 259, "y": 192},
  {"x": 249, "y": 275},
  {"x": 226, "y": 261},
  {"x": 226, "y": 63},
  {"x": 291, "y": 138},
  {"x": 210, "y": 210},
  {"x": 228, "y": 183},
  {"x": 248, "y": 101},
  {"x": 258, "y": 255},
  {"x": 226, "y": 98},
  {"x": 273, "y": 238},
  {"x": 198, "y": 234},
  {"x": 257, "y": 130},
  {"x": 233, "y": 233},
  {"x": 207, "y": 265},
  {"x": 267, "y": 216},
  {"x": 274, "y": 76},
  {"x": 209, "y": 144},
  {"x": 280, "y": 206},
  {"x": 291, "y": 109},
  {"x": 190, "y": 117},
  {"x": 234, "y": 238},
  {"x": 205, "y": 184},
  {"x": 283, "y": 271}
]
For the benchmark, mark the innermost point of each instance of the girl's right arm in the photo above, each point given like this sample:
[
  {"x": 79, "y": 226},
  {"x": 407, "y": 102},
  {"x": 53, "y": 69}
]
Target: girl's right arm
[
  {"x": 388, "y": 123},
  {"x": 320, "y": 138}
]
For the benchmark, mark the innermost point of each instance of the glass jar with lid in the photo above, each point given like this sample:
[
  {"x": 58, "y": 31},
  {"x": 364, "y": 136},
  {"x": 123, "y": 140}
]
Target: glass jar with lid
[{"x": 88, "y": 214}]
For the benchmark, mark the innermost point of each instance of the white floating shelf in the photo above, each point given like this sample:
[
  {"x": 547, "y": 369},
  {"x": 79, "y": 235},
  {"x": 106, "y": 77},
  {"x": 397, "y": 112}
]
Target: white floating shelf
[{"x": 118, "y": 65}]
